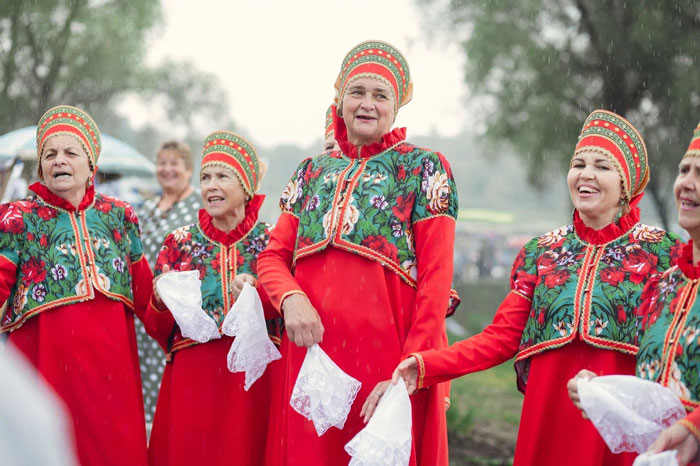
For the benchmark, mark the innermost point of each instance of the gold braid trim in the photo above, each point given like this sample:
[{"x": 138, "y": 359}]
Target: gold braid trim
[
  {"x": 421, "y": 370},
  {"x": 691, "y": 428}
]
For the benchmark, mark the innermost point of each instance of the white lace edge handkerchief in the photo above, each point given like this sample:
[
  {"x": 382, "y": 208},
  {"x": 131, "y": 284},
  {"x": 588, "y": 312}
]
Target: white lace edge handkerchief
[
  {"x": 628, "y": 412},
  {"x": 665, "y": 458},
  {"x": 386, "y": 439},
  {"x": 182, "y": 293},
  {"x": 323, "y": 393},
  {"x": 251, "y": 350}
]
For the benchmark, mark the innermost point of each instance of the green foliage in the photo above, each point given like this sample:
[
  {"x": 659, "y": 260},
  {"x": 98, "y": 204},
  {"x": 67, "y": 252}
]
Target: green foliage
[
  {"x": 90, "y": 53},
  {"x": 537, "y": 68}
]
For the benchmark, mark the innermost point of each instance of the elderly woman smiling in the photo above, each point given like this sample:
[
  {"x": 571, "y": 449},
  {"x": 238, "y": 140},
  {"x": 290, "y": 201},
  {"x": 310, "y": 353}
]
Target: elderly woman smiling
[
  {"x": 361, "y": 259},
  {"x": 73, "y": 272},
  {"x": 573, "y": 295},
  {"x": 203, "y": 415}
]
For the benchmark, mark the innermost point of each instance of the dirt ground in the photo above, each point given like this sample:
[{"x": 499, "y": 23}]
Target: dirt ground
[{"x": 482, "y": 446}]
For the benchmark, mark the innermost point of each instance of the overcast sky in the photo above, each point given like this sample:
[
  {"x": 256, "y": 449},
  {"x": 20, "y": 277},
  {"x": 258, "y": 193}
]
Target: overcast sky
[{"x": 278, "y": 60}]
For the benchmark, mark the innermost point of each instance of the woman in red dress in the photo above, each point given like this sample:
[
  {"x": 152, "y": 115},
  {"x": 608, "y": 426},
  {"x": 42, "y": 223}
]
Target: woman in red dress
[
  {"x": 360, "y": 260},
  {"x": 669, "y": 351},
  {"x": 203, "y": 414},
  {"x": 573, "y": 295},
  {"x": 74, "y": 275}
]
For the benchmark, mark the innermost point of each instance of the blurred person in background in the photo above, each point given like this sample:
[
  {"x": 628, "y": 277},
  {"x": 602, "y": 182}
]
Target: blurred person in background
[
  {"x": 177, "y": 205},
  {"x": 329, "y": 142}
]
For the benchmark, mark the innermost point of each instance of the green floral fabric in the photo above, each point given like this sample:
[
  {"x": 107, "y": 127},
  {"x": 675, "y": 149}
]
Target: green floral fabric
[
  {"x": 368, "y": 206},
  {"x": 189, "y": 248},
  {"x": 61, "y": 256},
  {"x": 587, "y": 289},
  {"x": 669, "y": 351}
]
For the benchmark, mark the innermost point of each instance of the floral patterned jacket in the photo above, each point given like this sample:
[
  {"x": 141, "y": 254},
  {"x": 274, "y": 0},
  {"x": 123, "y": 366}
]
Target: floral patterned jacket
[
  {"x": 368, "y": 206},
  {"x": 669, "y": 352},
  {"x": 218, "y": 257},
  {"x": 588, "y": 288},
  {"x": 61, "y": 254}
]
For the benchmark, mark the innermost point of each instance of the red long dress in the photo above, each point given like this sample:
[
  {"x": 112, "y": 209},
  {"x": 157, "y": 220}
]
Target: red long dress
[
  {"x": 87, "y": 353},
  {"x": 371, "y": 318},
  {"x": 203, "y": 414},
  {"x": 552, "y": 430}
]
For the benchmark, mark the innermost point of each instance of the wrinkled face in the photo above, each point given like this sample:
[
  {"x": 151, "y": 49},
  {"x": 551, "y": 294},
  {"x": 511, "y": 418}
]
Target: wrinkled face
[
  {"x": 171, "y": 172},
  {"x": 686, "y": 190},
  {"x": 65, "y": 167},
  {"x": 222, "y": 193},
  {"x": 368, "y": 110},
  {"x": 595, "y": 186}
]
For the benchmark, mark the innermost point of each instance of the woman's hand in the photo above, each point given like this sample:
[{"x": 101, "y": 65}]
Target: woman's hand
[
  {"x": 408, "y": 371},
  {"x": 156, "y": 296},
  {"x": 373, "y": 400},
  {"x": 572, "y": 386},
  {"x": 239, "y": 281},
  {"x": 677, "y": 437},
  {"x": 302, "y": 321}
]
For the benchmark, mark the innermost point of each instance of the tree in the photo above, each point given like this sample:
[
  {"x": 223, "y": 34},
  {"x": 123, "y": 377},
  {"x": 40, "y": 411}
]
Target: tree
[
  {"x": 91, "y": 53},
  {"x": 538, "y": 67}
]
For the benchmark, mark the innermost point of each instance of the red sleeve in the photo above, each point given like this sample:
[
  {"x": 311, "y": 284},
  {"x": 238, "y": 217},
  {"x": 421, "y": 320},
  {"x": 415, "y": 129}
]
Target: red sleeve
[
  {"x": 692, "y": 423},
  {"x": 8, "y": 277},
  {"x": 158, "y": 323},
  {"x": 275, "y": 262},
  {"x": 434, "y": 240},
  {"x": 496, "y": 344}
]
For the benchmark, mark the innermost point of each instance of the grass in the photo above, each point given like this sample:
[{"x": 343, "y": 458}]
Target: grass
[{"x": 485, "y": 413}]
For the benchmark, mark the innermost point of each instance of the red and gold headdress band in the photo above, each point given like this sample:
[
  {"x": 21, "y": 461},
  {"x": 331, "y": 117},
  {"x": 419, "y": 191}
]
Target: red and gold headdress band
[
  {"x": 694, "y": 147},
  {"x": 609, "y": 134},
  {"x": 377, "y": 60},
  {"x": 229, "y": 150},
  {"x": 73, "y": 121},
  {"x": 329, "y": 122}
]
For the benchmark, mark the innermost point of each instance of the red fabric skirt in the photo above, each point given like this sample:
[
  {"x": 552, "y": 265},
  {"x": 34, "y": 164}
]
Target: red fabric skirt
[
  {"x": 203, "y": 415},
  {"x": 87, "y": 353},
  {"x": 366, "y": 311},
  {"x": 552, "y": 430}
]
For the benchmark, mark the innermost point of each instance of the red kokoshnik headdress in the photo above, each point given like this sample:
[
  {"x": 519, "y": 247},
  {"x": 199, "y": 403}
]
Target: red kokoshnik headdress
[
  {"x": 694, "y": 146},
  {"x": 229, "y": 150},
  {"x": 72, "y": 121},
  {"x": 377, "y": 60}
]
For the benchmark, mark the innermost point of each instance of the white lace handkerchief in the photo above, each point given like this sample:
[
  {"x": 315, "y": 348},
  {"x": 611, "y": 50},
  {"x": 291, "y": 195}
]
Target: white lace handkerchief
[
  {"x": 628, "y": 412},
  {"x": 251, "y": 350},
  {"x": 182, "y": 293},
  {"x": 323, "y": 393},
  {"x": 665, "y": 458},
  {"x": 386, "y": 440}
]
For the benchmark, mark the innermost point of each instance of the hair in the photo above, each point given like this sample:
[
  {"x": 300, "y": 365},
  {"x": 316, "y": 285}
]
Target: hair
[{"x": 182, "y": 149}]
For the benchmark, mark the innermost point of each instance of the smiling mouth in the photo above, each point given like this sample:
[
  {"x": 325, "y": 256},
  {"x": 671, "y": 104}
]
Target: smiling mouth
[
  {"x": 215, "y": 199},
  {"x": 587, "y": 190},
  {"x": 61, "y": 175},
  {"x": 689, "y": 203},
  {"x": 365, "y": 118}
]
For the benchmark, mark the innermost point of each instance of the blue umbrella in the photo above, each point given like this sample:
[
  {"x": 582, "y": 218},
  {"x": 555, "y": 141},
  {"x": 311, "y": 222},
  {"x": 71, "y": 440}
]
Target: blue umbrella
[{"x": 115, "y": 157}]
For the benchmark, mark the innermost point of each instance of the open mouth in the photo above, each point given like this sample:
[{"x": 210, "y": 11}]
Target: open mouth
[
  {"x": 215, "y": 199},
  {"x": 685, "y": 202},
  {"x": 587, "y": 190},
  {"x": 365, "y": 118},
  {"x": 61, "y": 175}
]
